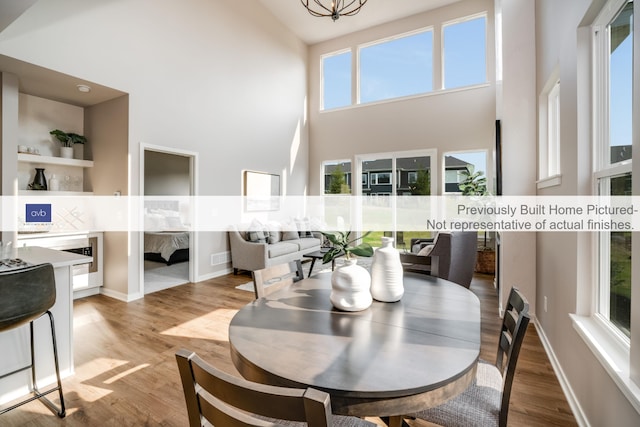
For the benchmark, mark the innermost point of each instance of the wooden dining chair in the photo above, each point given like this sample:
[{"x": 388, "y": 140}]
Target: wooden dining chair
[
  {"x": 486, "y": 401},
  {"x": 225, "y": 400},
  {"x": 272, "y": 278}
]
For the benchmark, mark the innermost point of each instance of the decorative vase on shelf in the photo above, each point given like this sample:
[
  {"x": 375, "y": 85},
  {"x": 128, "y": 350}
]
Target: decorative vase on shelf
[
  {"x": 386, "y": 273},
  {"x": 350, "y": 287},
  {"x": 39, "y": 180},
  {"x": 66, "y": 152}
]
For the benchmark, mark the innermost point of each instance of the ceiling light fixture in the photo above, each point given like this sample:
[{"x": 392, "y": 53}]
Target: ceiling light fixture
[
  {"x": 337, "y": 9},
  {"x": 83, "y": 88}
]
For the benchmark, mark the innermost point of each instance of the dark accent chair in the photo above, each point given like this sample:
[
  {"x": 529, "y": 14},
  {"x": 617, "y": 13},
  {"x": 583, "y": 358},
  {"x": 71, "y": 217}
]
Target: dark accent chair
[
  {"x": 486, "y": 401},
  {"x": 451, "y": 256},
  {"x": 225, "y": 400},
  {"x": 28, "y": 294}
]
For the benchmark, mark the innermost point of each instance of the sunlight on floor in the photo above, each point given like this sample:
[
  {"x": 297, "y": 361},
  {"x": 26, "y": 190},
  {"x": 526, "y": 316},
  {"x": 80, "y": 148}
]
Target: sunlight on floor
[{"x": 204, "y": 327}]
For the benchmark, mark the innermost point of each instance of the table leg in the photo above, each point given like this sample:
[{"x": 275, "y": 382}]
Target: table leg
[
  {"x": 313, "y": 261},
  {"x": 333, "y": 264},
  {"x": 394, "y": 421}
]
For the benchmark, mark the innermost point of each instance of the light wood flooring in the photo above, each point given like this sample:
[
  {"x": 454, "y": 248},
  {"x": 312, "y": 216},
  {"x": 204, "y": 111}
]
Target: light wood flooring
[{"x": 126, "y": 373}]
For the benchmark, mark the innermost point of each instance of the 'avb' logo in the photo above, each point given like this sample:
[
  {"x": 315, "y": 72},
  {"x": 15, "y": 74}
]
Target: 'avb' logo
[{"x": 38, "y": 213}]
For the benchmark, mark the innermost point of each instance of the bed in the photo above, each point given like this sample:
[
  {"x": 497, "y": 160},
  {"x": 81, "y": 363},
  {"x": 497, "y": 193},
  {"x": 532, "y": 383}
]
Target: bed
[
  {"x": 166, "y": 238},
  {"x": 169, "y": 247}
]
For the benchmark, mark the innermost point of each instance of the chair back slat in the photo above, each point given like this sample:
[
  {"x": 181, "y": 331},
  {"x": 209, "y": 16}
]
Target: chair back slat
[
  {"x": 514, "y": 327},
  {"x": 27, "y": 294},
  {"x": 276, "y": 277},
  {"x": 226, "y": 400}
]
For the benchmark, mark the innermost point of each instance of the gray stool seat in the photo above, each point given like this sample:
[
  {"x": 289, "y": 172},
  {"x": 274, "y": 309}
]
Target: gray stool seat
[{"x": 27, "y": 294}]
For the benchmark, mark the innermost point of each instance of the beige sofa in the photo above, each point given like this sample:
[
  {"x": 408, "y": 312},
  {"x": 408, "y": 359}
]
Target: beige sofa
[{"x": 280, "y": 247}]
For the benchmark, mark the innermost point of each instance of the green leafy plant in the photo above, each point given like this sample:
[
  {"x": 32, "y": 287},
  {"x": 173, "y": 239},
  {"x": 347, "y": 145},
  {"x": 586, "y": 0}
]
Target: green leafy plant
[
  {"x": 68, "y": 139},
  {"x": 474, "y": 183},
  {"x": 342, "y": 244}
]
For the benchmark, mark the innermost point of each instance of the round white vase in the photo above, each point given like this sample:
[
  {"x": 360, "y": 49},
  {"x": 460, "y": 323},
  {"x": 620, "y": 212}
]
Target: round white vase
[
  {"x": 386, "y": 273},
  {"x": 66, "y": 152},
  {"x": 350, "y": 285}
]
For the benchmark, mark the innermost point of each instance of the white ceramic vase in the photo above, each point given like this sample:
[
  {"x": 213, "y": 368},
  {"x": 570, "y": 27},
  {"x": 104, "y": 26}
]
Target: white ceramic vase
[
  {"x": 66, "y": 152},
  {"x": 386, "y": 273},
  {"x": 350, "y": 287}
]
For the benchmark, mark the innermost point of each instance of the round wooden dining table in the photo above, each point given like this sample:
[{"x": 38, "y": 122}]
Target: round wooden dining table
[{"x": 391, "y": 359}]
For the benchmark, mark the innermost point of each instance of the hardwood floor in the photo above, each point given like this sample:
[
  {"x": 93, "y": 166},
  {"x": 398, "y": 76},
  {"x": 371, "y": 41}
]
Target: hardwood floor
[{"x": 126, "y": 373}]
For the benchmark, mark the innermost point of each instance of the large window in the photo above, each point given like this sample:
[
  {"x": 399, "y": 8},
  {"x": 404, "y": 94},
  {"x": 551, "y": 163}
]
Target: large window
[
  {"x": 464, "y": 44},
  {"x": 397, "y": 67},
  {"x": 613, "y": 38},
  {"x": 549, "y": 135},
  {"x": 336, "y": 80},
  {"x": 457, "y": 166},
  {"x": 403, "y": 65}
]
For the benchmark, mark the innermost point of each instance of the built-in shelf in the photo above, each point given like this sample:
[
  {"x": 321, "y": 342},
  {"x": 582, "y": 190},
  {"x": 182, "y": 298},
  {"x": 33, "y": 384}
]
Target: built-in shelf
[
  {"x": 54, "y": 193},
  {"x": 48, "y": 160}
]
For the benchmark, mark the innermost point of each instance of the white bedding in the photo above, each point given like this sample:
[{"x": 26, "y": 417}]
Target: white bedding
[{"x": 165, "y": 242}]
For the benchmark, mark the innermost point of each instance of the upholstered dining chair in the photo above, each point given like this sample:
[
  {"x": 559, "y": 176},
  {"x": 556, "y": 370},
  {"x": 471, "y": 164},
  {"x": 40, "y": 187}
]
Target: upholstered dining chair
[
  {"x": 272, "y": 278},
  {"x": 28, "y": 294},
  {"x": 486, "y": 401},
  {"x": 451, "y": 256},
  {"x": 227, "y": 401}
]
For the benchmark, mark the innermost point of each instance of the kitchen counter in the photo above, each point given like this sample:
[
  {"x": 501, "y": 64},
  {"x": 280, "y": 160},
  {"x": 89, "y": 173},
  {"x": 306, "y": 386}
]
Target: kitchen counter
[{"x": 16, "y": 342}]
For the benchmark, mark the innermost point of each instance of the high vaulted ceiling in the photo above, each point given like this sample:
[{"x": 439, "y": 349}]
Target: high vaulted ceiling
[{"x": 375, "y": 12}]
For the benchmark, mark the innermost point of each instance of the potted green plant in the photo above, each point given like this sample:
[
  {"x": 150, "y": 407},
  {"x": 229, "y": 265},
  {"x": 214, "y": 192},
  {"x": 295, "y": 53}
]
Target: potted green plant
[
  {"x": 350, "y": 283},
  {"x": 342, "y": 244},
  {"x": 475, "y": 184},
  {"x": 68, "y": 141}
]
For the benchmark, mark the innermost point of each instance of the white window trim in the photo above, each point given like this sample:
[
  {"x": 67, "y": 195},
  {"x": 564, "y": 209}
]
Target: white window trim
[
  {"x": 549, "y": 144},
  {"x": 610, "y": 351},
  {"x": 609, "y": 345}
]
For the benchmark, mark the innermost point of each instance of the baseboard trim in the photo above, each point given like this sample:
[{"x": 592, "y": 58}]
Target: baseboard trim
[
  {"x": 214, "y": 275},
  {"x": 578, "y": 413},
  {"x": 119, "y": 295}
]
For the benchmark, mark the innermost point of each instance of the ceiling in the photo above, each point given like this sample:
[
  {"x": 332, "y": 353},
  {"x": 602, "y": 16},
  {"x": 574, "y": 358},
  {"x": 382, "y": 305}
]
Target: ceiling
[
  {"x": 312, "y": 30},
  {"x": 45, "y": 83}
]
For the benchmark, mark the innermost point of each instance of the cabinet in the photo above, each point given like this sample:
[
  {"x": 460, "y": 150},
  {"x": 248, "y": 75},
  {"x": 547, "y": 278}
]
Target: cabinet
[{"x": 69, "y": 172}]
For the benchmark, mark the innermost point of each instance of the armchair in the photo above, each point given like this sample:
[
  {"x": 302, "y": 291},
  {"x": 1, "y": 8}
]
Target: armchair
[{"x": 451, "y": 256}]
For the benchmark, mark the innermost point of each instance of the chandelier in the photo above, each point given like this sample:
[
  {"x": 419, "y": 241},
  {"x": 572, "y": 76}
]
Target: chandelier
[{"x": 337, "y": 8}]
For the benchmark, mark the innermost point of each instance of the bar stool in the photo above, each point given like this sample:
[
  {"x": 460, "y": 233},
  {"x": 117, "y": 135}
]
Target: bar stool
[{"x": 27, "y": 294}]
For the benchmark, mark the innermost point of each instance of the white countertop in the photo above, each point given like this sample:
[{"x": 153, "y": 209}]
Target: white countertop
[{"x": 38, "y": 255}]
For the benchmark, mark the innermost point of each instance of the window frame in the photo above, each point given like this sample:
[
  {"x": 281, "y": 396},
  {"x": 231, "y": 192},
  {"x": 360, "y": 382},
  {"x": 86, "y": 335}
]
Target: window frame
[
  {"x": 549, "y": 138},
  {"x": 393, "y": 38},
  {"x": 616, "y": 352},
  {"x": 322, "y": 79},
  {"x": 461, "y": 20}
]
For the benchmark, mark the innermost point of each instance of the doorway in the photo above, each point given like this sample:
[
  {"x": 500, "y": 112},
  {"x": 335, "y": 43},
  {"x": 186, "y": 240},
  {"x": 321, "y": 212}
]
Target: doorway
[{"x": 167, "y": 243}]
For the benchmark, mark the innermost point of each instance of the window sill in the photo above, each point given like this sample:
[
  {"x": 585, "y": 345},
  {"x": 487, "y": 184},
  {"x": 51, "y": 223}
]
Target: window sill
[
  {"x": 610, "y": 352},
  {"x": 550, "y": 181}
]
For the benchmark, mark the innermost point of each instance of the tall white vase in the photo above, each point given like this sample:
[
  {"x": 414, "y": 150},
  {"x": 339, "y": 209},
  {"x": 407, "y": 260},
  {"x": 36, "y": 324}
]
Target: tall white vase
[
  {"x": 386, "y": 273},
  {"x": 350, "y": 287}
]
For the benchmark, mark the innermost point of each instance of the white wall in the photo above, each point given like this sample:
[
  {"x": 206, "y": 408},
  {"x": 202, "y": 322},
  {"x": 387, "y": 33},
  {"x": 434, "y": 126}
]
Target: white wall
[
  {"x": 450, "y": 121},
  {"x": 221, "y": 78},
  {"x": 564, "y": 265},
  {"x": 166, "y": 174}
]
